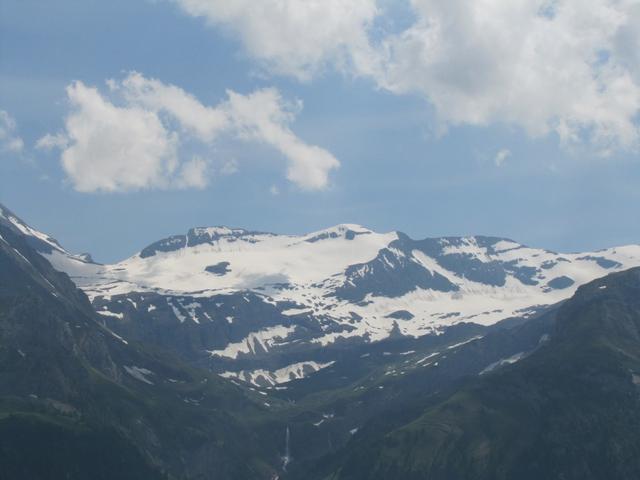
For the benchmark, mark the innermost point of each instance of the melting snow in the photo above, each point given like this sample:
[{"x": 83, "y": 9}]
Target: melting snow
[
  {"x": 177, "y": 312},
  {"x": 505, "y": 361},
  {"x": 139, "y": 373},
  {"x": 282, "y": 375},
  {"x": 107, "y": 313},
  {"x": 256, "y": 342}
]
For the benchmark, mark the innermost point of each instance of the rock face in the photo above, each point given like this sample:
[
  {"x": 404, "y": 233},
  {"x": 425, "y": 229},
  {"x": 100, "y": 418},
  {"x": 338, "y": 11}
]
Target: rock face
[{"x": 235, "y": 299}]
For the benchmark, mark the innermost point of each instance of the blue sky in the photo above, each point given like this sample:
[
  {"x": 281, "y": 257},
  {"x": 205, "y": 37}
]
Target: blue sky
[{"x": 417, "y": 140}]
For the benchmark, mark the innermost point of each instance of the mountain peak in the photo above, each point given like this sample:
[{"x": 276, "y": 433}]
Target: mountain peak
[
  {"x": 209, "y": 235},
  {"x": 349, "y": 231},
  {"x": 197, "y": 235},
  {"x": 218, "y": 230},
  {"x": 40, "y": 241}
]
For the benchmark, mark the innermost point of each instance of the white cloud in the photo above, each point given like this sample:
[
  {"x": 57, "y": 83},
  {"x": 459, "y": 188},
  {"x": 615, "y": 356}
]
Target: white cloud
[
  {"x": 295, "y": 37},
  {"x": 50, "y": 141},
  {"x": 204, "y": 122},
  {"x": 133, "y": 139},
  {"x": 564, "y": 67},
  {"x": 502, "y": 157},
  {"x": 110, "y": 148},
  {"x": 194, "y": 173},
  {"x": 9, "y": 140},
  {"x": 263, "y": 116},
  {"x": 544, "y": 66}
]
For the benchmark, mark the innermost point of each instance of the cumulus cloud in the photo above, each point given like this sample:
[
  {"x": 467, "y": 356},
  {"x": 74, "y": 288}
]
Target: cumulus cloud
[
  {"x": 296, "y": 37},
  {"x": 111, "y": 148},
  {"x": 194, "y": 173},
  {"x": 544, "y": 66},
  {"x": 564, "y": 67},
  {"x": 132, "y": 138},
  {"x": 9, "y": 140},
  {"x": 264, "y": 117},
  {"x": 192, "y": 116}
]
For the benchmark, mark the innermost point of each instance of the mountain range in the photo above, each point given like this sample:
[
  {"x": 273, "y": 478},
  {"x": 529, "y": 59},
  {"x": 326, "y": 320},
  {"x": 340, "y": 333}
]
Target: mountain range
[
  {"x": 266, "y": 308},
  {"x": 343, "y": 354}
]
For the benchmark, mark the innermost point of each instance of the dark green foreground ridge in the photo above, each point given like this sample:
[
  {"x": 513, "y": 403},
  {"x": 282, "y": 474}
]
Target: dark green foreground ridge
[
  {"x": 571, "y": 410},
  {"x": 77, "y": 402}
]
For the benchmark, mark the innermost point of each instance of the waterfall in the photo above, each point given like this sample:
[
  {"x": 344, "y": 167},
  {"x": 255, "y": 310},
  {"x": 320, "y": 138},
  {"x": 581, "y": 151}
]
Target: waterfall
[{"x": 286, "y": 459}]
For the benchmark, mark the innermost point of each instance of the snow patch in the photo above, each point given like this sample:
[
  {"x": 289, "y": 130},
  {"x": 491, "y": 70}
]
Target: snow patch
[
  {"x": 107, "y": 313},
  {"x": 286, "y": 374},
  {"x": 256, "y": 342},
  {"x": 505, "y": 361},
  {"x": 139, "y": 374}
]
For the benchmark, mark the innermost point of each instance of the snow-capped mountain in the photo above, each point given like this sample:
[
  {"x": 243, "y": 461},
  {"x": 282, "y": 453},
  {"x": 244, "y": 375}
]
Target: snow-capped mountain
[
  {"x": 39, "y": 241},
  {"x": 233, "y": 296}
]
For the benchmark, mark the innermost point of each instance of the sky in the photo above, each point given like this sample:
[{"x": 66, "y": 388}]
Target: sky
[{"x": 126, "y": 121}]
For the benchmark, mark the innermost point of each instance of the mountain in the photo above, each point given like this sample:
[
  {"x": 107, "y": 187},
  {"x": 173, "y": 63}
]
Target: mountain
[
  {"x": 267, "y": 308},
  {"x": 77, "y": 401},
  {"x": 119, "y": 371},
  {"x": 72, "y": 389},
  {"x": 569, "y": 410}
]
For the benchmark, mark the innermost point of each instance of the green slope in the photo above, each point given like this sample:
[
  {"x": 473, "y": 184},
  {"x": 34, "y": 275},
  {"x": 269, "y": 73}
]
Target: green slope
[
  {"x": 569, "y": 411},
  {"x": 76, "y": 401},
  {"x": 36, "y": 447}
]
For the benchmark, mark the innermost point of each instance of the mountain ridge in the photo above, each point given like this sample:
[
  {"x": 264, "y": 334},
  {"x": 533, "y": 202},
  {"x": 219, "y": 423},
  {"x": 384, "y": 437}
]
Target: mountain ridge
[
  {"x": 341, "y": 403},
  {"x": 234, "y": 298},
  {"x": 569, "y": 410},
  {"x": 78, "y": 401}
]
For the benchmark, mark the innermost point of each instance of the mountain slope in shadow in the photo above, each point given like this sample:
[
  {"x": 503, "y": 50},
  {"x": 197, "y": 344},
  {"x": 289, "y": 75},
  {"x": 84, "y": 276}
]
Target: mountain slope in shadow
[
  {"x": 571, "y": 410},
  {"x": 79, "y": 402}
]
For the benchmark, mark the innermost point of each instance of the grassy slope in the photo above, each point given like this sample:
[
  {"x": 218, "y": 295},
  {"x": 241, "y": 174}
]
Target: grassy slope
[
  {"x": 63, "y": 376},
  {"x": 570, "y": 411}
]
